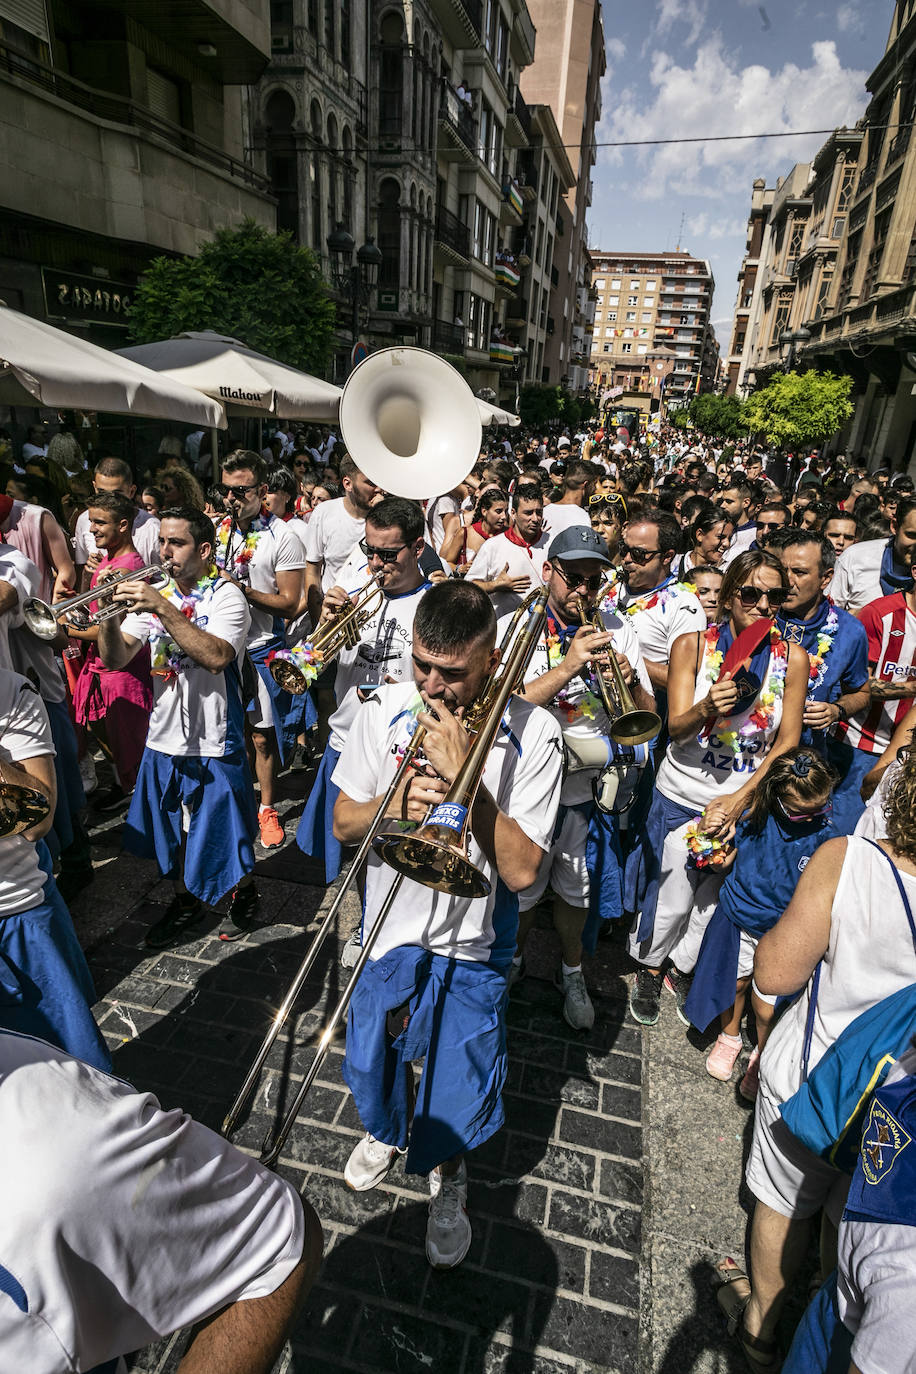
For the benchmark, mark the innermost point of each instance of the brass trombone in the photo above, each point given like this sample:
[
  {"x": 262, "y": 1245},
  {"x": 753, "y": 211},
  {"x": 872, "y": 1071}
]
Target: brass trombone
[
  {"x": 339, "y": 632},
  {"x": 629, "y": 726},
  {"x": 452, "y": 864},
  {"x": 42, "y": 617}
]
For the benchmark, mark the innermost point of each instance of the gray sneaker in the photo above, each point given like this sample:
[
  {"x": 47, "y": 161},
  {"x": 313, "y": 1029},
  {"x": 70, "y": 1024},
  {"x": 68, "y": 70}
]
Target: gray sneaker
[
  {"x": 351, "y": 951},
  {"x": 448, "y": 1230},
  {"x": 578, "y": 1011},
  {"x": 645, "y": 995}
]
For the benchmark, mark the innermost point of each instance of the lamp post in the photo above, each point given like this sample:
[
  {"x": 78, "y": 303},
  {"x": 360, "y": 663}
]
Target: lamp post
[
  {"x": 355, "y": 281},
  {"x": 790, "y": 340}
]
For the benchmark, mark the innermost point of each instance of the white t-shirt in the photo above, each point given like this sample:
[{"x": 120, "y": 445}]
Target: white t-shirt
[
  {"x": 331, "y": 534},
  {"x": 436, "y": 510},
  {"x": 196, "y": 713},
  {"x": 662, "y": 620},
  {"x": 168, "y": 1225},
  {"x": 578, "y": 708},
  {"x": 558, "y": 518},
  {"x": 857, "y": 575},
  {"x": 383, "y": 651},
  {"x": 23, "y": 576},
  {"x": 19, "y": 648},
  {"x": 742, "y": 540},
  {"x": 299, "y": 527},
  {"x": 522, "y": 773},
  {"x": 493, "y": 555},
  {"x": 145, "y": 537},
  {"x": 277, "y": 550},
  {"x": 24, "y": 734}
]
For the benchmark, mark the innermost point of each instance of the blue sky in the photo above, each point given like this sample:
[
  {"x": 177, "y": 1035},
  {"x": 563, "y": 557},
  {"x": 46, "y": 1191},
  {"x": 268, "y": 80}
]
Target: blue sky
[{"x": 692, "y": 67}]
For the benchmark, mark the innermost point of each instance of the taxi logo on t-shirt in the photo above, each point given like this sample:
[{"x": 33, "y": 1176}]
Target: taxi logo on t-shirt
[{"x": 882, "y": 1141}]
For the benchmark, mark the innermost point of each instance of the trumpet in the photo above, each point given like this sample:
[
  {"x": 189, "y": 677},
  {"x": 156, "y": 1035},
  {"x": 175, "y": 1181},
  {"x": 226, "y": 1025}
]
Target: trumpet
[
  {"x": 295, "y": 669},
  {"x": 484, "y": 717},
  {"x": 43, "y": 618},
  {"x": 629, "y": 726}
]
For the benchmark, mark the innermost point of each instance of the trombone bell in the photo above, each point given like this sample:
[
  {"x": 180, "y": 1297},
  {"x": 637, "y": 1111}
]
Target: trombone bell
[{"x": 433, "y": 857}]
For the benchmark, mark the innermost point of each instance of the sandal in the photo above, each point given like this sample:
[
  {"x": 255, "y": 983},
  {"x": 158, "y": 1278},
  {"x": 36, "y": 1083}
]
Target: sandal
[{"x": 733, "y": 1293}]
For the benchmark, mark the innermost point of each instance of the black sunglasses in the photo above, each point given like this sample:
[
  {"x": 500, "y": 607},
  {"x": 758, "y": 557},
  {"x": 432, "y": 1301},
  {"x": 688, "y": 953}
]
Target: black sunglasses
[
  {"x": 590, "y": 584},
  {"x": 639, "y": 556},
  {"x": 383, "y": 555},
  {"x": 238, "y": 492},
  {"x": 752, "y": 596}
]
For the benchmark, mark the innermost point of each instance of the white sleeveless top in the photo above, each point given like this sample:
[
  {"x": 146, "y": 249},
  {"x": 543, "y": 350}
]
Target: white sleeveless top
[
  {"x": 870, "y": 955},
  {"x": 697, "y": 770}
]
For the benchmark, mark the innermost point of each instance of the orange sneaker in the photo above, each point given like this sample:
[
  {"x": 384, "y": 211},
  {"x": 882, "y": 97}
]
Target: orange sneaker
[{"x": 272, "y": 832}]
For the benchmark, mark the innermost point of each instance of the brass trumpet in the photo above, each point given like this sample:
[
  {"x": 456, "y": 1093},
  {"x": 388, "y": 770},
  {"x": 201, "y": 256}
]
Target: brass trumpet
[
  {"x": 43, "y": 618},
  {"x": 629, "y": 725},
  {"x": 339, "y": 632}
]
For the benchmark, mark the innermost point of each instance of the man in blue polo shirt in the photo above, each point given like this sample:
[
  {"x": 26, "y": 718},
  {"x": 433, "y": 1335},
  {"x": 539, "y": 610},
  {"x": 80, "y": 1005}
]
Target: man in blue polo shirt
[{"x": 837, "y": 647}]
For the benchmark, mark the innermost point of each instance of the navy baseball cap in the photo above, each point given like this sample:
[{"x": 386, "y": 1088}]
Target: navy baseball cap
[{"x": 578, "y": 542}]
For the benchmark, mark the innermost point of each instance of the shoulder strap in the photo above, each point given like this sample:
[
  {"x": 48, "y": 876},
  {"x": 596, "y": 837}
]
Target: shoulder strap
[
  {"x": 809, "y": 1020},
  {"x": 900, "y": 888}
]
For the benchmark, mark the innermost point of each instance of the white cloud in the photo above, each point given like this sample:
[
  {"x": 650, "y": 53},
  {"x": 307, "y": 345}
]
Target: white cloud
[
  {"x": 616, "y": 50},
  {"x": 715, "y": 96},
  {"x": 691, "y": 13},
  {"x": 850, "y": 20}
]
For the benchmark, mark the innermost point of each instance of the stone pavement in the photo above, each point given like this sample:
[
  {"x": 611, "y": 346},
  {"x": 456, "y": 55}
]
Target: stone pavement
[{"x": 596, "y": 1210}]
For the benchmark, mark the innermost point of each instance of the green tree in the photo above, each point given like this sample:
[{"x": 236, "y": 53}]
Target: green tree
[
  {"x": 797, "y": 408},
  {"x": 718, "y": 417},
  {"x": 248, "y": 283}
]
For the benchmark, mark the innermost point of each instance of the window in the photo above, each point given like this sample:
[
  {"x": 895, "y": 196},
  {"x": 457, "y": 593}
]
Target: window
[
  {"x": 598, "y": 283},
  {"x": 613, "y": 300},
  {"x": 477, "y": 233},
  {"x": 615, "y": 285},
  {"x": 649, "y": 288},
  {"x": 598, "y": 315},
  {"x": 607, "y": 348},
  {"x": 634, "y": 285},
  {"x": 311, "y": 16},
  {"x": 502, "y": 47},
  {"x": 632, "y": 300},
  {"x": 612, "y": 314},
  {"x": 329, "y": 26},
  {"x": 647, "y": 317},
  {"x": 642, "y": 348},
  {"x": 780, "y": 317},
  {"x": 609, "y": 333},
  {"x": 631, "y": 316},
  {"x": 345, "y": 27},
  {"x": 478, "y": 323},
  {"x": 626, "y": 348}
]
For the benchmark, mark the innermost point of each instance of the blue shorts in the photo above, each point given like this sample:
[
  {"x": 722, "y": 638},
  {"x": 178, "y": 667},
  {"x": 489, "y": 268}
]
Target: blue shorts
[
  {"x": 456, "y": 1021},
  {"x": 219, "y": 796},
  {"x": 822, "y": 1344},
  {"x": 315, "y": 832},
  {"x": 292, "y": 715}
]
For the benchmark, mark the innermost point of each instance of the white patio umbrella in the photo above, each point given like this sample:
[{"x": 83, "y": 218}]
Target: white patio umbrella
[
  {"x": 44, "y": 366},
  {"x": 495, "y": 415},
  {"x": 246, "y": 382}
]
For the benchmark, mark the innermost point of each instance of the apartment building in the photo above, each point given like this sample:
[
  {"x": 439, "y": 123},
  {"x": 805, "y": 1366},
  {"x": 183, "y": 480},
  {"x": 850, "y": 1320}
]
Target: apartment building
[
  {"x": 123, "y": 130},
  {"x": 651, "y": 327},
  {"x": 567, "y": 77},
  {"x": 736, "y": 364}
]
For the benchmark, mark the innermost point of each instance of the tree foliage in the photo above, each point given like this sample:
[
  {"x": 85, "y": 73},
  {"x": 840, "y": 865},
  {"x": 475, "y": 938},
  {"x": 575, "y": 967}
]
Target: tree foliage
[
  {"x": 540, "y": 405},
  {"x": 249, "y": 283},
  {"x": 797, "y": 408},
  {"x": 718, "y": 417}
]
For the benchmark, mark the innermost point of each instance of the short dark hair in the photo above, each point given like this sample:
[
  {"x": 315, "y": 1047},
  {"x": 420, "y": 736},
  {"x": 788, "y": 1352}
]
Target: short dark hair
[
  {"x": 528, "y": 491},
  {"x": 669, "y": 531},
  {"x": 740, "y": 569},
  {"x": 707, "y": 519},
  {"x": 200, "y": 525},
  {"x": 347, "y": 467},
  {"x": 793, "y": 536},
  {"x": 245, "y": 460},
  {"x": 578, "y": 474},
  {"x": 776, "y": 504},
  {"x": 700, "y": 569},
  {"x": 489, "y": 498},
  {"x": 452, "y": 615},
  {"x": 740, "y": 485},
  {"x": 113, "y": 503},
  {"x": 397, "y": 513},
  {"x": 281, "y": 479},
  {"x": 904, "y": 508},
  {"x": 113, "y": 467},
  {"x": 504, "y": 470},
  {"x": 837, "y": 514}
]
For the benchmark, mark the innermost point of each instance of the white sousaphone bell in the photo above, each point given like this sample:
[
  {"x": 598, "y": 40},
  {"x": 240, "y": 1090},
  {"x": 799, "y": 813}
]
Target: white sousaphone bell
[{"x": 410, "y": 422}]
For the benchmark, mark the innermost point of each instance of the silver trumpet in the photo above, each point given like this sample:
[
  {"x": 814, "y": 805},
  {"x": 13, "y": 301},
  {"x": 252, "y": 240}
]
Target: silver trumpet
[{"x": 43, "y": 618}]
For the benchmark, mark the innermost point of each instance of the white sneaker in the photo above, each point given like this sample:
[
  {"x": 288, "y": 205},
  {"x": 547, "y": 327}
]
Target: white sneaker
[
  {"x": 349, "y": 955},
  {"x": 369, "y": 1163},
  {"x": 578, "y": 1011},
  {"x": 448, "y": 1231},
  {"x": 88, "y": 774}
]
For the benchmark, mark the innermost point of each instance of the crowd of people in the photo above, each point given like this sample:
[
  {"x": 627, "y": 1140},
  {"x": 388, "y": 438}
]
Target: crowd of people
[{"x": 754, "y": 844}]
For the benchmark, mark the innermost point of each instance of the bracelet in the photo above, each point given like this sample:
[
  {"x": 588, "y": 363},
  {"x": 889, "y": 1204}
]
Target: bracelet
[{"x": 842, "y": 713}]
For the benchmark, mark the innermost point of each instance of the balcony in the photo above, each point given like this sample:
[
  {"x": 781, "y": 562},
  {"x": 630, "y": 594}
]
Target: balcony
[
  {"x": 502, "y": 352},
  {"x": 518, "y": 122},
  {"x": 512, "y": 206},
  {"x": 448, "y": 338},
  {"x": 457, "y": 140},
  {"x": 867, "y": 177},
  {"x": 517, "y": 312},
  {"x": 452, "y": 238},
  {"x": 526, "y": 178},
  {"x": 508, "y": 275},
  {"x": 899, "y": 144},
  {"x": 462, "y": 21}
]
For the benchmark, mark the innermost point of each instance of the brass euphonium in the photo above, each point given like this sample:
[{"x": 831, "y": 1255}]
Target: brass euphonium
[{"x": 629, "y": 725}]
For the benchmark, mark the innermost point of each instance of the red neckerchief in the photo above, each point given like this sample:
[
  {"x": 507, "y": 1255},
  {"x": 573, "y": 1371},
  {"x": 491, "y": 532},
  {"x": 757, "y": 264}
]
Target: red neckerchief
[
  {"x": 515, "y": 538},
  {"x": 478, "y": 526},
  {"x": 6, "y": 505}
]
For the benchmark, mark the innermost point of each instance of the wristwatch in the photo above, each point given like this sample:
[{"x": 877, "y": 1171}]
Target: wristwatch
[{"x": 842, "y": 713}]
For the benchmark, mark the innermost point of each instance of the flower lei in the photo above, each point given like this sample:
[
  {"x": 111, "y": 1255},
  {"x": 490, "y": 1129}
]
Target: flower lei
[
  {"x": 241, "y": 557},
  {"x": 309, "y": 661},
  {"x": 587, "y": 705},
  {"x": 661, "y": 597},
  {"x": 167, "y": 660},
  {"x": 818, "y": 660},
  {"x": 761, "y": 717},
  {"x": 704, "y": 851}
]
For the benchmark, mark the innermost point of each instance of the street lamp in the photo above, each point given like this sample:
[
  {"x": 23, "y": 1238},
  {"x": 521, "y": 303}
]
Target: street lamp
[
  {"x": 355, "y": 281},
  {"x": 790, "y": 340}
]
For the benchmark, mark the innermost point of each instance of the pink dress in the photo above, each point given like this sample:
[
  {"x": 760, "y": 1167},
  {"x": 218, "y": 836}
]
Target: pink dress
[{"x": 122, "y": 697}]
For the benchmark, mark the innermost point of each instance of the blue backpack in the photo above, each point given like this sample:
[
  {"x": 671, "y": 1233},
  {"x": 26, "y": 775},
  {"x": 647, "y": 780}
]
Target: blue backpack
[{"x": 827, "y": 1113}]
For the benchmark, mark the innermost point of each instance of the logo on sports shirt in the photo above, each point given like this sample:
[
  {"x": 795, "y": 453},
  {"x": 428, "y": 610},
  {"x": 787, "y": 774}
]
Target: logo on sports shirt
[{"x": 882, "y": 1141}]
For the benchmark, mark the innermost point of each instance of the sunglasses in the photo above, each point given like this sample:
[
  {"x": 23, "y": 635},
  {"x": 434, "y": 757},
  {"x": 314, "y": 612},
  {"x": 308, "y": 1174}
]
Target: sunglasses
[
  {"x": 238, "y": 492},
  {"x": 752, "y": 596},
  {"x": 638, "y": 556},
  {"x": 383, "y": 555},
  {"x": 798, "y": 816},
  {"x": 590, "y": 584},
  {"x": 609, "y": 499}
]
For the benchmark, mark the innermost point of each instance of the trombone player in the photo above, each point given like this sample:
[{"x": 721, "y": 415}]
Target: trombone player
[
  {"x": 561, "y": 677},
  {"x": 436, "y": 988}
]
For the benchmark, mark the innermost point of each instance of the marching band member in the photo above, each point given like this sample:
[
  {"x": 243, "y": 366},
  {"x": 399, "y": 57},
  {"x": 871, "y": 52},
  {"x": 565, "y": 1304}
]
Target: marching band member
[
  {"x": 437, "y": 984},
  {"x": 560, "y": 677},
  {"x": 509, "y": 565},
  {"x": 388, "y": 552},
  {"x": 255, "y": 551},
  {"x": 193, "y": 807},
  {"x": 334, "y": 529}
]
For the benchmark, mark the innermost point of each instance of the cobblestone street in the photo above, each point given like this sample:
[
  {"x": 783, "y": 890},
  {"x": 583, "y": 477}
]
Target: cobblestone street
[{"x": 561, "y": 1253}]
